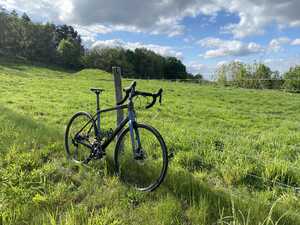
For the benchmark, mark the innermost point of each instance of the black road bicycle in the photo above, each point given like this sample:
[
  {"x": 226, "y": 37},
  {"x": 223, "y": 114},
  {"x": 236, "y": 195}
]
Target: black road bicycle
[{"x": 140, "y": 157}]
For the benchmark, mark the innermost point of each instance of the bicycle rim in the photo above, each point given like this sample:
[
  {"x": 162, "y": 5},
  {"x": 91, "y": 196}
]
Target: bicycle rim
[{"x": 144, "y": 174}]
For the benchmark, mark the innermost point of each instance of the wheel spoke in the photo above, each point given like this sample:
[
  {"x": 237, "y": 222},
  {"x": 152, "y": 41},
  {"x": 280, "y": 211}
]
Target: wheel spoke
[
  {"x": 76, "y": 152},
  {"x": 78, "y": 137},
  {"x": 144, "y": 173}
]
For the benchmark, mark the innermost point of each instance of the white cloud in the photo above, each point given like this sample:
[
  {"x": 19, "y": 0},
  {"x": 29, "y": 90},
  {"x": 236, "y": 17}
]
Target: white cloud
[
  {"x": 89, "y": 33},
  {"x": 155, "y": 17},
  {"x": 296, "y": 42},
  {"x": 44, "y": 10},
  {"x": 160, "y": 49},
  {"x": 163, "y": 16},
  {"x": 220, "y": 48},
  {"x": 255, "y": 15},
  {"x": 221, "y": 63},
  {"x": 282, "y": 64},
  {"x": 275, "y": 44},
  {"x": 195, "y": 67}
]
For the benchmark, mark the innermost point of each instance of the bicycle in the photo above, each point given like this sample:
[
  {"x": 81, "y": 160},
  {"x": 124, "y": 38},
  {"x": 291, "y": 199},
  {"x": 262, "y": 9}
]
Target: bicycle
[{"x": 140, "y": 156}]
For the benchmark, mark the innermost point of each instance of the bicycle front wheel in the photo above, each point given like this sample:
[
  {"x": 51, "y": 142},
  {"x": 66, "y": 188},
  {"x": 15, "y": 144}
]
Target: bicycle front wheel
[{"x": 145, "y": 173}]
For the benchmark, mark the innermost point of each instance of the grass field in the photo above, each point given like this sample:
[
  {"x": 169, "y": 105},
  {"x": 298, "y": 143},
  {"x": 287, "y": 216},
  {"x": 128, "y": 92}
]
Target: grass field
[{"x": 236, "y": 160}]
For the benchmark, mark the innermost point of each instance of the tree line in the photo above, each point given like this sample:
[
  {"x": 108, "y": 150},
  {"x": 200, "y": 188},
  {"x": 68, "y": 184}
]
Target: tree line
[
  {"x": 62, "y": 45},
  {"x": 140, "y": 63},
  {"x": 48, "y": 43},
  {"x": 258, "y": 76}
]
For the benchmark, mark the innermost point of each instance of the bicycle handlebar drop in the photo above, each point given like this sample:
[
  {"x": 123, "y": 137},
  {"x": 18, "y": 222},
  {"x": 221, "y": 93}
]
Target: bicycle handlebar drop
[{"x": 131, "y": 91}]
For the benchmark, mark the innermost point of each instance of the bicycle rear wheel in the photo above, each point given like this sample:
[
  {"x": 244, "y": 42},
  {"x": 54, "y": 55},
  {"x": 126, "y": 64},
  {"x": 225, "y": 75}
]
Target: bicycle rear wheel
[
  {"x": 148, "y": 173},
  {"x": 79, "y": 137}
]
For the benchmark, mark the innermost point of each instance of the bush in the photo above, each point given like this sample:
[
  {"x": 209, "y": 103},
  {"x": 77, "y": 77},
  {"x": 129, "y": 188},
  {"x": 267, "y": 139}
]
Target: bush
[
  {"x": 256, "y": 76},
  {"x": 292, "y": 80}
]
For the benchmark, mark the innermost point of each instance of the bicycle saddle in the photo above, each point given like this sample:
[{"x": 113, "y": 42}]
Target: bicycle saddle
[{"x": 97, "y": 90}]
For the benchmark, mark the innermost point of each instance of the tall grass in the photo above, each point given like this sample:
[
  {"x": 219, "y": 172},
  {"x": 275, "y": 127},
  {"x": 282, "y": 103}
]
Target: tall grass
[{"x": 220, "y": 137}]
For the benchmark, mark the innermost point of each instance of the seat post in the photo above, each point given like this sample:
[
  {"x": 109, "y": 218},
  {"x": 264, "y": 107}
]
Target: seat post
[
  {"x": 97, "y": 91},
  {"x": 97, "y": 101},
  {"x": 98, "y": 110}
]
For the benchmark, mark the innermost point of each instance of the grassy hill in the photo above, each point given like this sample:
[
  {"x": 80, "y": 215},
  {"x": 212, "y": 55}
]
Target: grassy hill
[{"x": 237, "y": 153}]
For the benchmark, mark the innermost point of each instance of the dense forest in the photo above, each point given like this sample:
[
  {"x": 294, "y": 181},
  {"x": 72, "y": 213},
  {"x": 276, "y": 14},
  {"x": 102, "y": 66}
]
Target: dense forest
[{"x": 62, "y": 45}]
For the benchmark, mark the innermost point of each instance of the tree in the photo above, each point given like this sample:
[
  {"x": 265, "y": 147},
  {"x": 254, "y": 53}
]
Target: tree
[
  {"x": 14, "y": 13},
  {"x": 246, "y": 76},
  {"x": 262, "y": 72},
  {"x": 235, "y": 73},
  {"x": 68, "y": 33},
  {"x": 44, "y": 44},
  {"x": 220, "y": 75},
  {"x": 26, "y": 18},
  {"x": 292, "y": 79},
  {"x": 19, "y": 37},
  {"x": 48, "y": 43},
  {"x": 144, "y": 63},
  {"x": 69, "y": 52},
  {"x": 263, "y": 75},
  {"x": 4, "y": 30},
  {"x": 174, "y": 69}
]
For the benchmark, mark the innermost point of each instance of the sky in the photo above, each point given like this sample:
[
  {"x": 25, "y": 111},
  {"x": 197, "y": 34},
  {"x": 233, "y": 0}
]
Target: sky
[{"x": 204, "y": 34}]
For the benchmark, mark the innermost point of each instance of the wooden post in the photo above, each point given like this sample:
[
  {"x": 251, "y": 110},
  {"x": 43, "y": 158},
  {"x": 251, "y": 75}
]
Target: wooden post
[{"x": 118, "y": 91}]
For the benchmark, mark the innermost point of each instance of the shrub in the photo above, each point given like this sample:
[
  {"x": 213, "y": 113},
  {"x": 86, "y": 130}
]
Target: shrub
[
  {"x": 292, "y": 80},
  {"x": 257, "y": 76}
]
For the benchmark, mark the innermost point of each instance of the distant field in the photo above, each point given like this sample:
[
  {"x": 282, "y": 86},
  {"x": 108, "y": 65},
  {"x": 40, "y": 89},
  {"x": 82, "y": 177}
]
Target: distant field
[{"x": 237, "y": 151}]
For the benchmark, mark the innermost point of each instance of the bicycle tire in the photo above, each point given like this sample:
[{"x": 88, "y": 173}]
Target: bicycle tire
[{"x": 118, "y": 150}]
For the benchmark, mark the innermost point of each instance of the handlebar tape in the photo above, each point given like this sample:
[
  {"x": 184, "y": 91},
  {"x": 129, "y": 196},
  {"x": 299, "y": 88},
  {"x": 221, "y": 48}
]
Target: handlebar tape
[
  {"x": 154, "y": 96},
  {"x": 124, "y": 99},
  {"x": 144, "y": 94},
  {"x": 132, "y": 85},
  {"x": 127, "y": 91}
]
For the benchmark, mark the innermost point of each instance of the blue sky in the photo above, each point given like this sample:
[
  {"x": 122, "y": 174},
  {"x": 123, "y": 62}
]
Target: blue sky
[{"x": 204, "y": 34}]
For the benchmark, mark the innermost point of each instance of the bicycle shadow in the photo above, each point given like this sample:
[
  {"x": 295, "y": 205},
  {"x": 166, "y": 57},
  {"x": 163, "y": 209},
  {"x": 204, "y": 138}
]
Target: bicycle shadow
[{"x": 192, "y": 192}]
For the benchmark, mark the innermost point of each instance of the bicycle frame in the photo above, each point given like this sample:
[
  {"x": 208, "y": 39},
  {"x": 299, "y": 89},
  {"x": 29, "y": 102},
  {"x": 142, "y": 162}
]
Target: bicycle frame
[
  {"x": 116, "y": 130},
  {"x": 128, "y": 119}
]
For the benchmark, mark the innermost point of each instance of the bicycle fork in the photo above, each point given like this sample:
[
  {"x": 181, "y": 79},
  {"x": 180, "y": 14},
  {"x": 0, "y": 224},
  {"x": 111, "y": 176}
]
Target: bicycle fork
[{"x": 135, "y": 137}]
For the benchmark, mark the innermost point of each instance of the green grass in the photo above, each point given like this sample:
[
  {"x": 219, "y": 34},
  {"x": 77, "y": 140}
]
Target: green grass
[{"x": 223, "y": 139}]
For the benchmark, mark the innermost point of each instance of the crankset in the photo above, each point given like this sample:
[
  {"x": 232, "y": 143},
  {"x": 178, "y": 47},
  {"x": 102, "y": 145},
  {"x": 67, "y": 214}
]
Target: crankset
[{"x": 98, "y": 153}]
